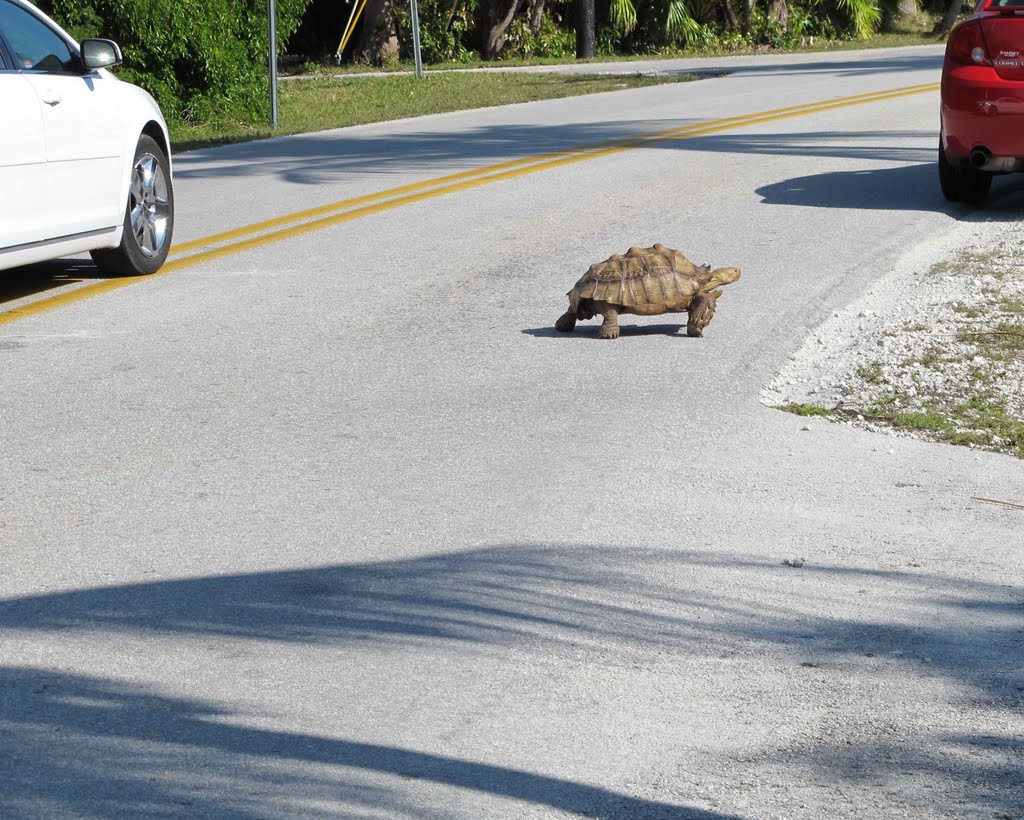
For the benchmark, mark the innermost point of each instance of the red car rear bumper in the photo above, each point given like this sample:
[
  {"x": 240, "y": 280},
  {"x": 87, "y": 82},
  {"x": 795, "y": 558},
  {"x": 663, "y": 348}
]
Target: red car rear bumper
[{"x": 981, "y": 110}]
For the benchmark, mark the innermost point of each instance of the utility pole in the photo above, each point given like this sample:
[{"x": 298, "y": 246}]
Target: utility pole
[
  {"x": 414, "y": 8},
  {"x": 272, "y": 39}
]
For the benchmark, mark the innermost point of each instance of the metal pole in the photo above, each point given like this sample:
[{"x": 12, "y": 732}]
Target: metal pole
[
  {"x": 416, "y": 38},
  {"x": 272, "y": 15}
]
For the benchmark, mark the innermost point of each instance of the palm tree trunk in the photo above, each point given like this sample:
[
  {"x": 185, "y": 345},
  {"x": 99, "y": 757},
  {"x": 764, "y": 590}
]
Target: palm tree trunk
[
  {"x": 585, "y": 29},
  {"x": 903, "y": 12}
]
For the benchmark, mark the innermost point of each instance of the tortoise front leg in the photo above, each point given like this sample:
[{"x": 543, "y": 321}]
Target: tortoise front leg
[
  {"x": 610, "y": 328},
  {"x": 702, "y": 311}
]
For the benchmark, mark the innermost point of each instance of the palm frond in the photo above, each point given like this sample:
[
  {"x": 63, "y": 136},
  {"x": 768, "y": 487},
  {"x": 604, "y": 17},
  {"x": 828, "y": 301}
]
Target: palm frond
[
  {"x": 680, "y": 25},
  {"x": 622, "y": 14},
  {"x": 864, "y": 15}
]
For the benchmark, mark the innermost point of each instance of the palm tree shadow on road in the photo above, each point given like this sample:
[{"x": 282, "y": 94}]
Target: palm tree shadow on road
[
  {"x": 128, "y": 750},
  {"x": 89, "y": 745}
]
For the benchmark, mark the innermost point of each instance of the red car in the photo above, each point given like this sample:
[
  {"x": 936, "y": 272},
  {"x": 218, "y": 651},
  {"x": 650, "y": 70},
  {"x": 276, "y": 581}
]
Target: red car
[{"x": 982, "y": 110}]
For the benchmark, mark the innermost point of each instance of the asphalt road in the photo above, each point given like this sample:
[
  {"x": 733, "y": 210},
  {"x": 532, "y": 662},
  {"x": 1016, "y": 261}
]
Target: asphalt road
[{"x": 333, "y": 523}]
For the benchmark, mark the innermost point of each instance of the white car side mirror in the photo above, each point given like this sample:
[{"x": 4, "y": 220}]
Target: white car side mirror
[{"x": 100, "y": 53}]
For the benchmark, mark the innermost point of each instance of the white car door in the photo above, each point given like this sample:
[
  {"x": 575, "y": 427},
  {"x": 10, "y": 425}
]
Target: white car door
[
  {"x": 82, "y": 125},
  {"x": 23, "y": 188}
]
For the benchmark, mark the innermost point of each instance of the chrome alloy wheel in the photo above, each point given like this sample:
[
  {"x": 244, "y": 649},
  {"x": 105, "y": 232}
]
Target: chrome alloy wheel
[{"x": 150, "y": 207}]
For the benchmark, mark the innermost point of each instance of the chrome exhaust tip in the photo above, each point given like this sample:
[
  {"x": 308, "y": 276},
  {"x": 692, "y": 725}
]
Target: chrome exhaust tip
[{"x": 981, "y": 159}]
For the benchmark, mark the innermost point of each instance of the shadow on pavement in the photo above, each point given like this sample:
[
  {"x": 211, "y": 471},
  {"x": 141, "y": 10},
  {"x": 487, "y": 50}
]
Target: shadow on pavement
[
  {"x": 353, "y": 153},
  {"x": 130, "y": 751},
  {"x": 31, "y": 280},
  {"x": 911, "y": 187},
  {"x": 842, "y": 68},
  {"x": 842, "y": 65},
  {"x": 557, "y": 597},
  {"x": 85, "y": 745},
  {"x": 589, "y": 328}
]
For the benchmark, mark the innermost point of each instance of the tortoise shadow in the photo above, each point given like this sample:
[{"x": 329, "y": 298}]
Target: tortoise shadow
[{"x": 626, "y": 331}]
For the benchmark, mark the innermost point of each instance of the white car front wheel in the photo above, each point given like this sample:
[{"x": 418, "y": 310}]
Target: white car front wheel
[{"x": 148, "y": 218}]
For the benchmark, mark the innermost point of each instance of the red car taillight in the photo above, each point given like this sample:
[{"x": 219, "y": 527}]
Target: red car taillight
[{"x": 967, "y": 45}]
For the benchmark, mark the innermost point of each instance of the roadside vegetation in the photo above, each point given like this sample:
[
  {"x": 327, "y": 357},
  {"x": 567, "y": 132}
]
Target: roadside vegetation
[
  {"x": 317, "y": 96},
  {"x": 205, "y": 61},
  {"x": 956, "y": 372}
]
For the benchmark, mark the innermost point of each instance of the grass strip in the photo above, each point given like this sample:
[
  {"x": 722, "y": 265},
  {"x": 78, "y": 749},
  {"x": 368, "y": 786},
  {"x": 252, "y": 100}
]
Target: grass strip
[{"x": 321, "y": 104}]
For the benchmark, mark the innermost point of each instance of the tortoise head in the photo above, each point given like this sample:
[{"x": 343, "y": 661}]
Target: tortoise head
[
  {"x": 702, "y": 311},
  {"x": 720, "y": 277}
]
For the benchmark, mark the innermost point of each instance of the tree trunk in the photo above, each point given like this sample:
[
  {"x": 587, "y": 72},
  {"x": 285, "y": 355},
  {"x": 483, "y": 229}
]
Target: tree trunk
[
  {"x": 451, "y": 15},
  {"x": 585, "y": 29},
  {"x": 536, "y": 16},
  {"x": 378, "y": 40},
  {"x": 949, "y": 18},
  {"x": 748, "y": 12},
  {"x": 732, "y": 22},
  {"x": 502, "y": 14},
  {"x": 778, "y": 12},
  {"x": 896, "y": 17}
]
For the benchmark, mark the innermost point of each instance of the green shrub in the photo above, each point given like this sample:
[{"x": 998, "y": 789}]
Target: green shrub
[
  {"x": 446, "y": 29},
  {"x": 203, "y": 60},
  {"x": 770, "y": 32},
  {"x": 609, "y": 42},
  {"x": 548, "y": 42}
]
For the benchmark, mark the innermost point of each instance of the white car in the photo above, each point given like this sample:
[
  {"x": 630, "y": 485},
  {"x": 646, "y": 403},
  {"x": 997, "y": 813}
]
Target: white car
[{"x": 84, "y": 157}]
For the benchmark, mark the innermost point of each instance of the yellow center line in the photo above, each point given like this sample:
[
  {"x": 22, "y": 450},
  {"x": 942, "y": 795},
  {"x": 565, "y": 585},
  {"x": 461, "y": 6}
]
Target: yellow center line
[
  {"x": 296, "y": 224},
  {"x": 541, "y": 162}
]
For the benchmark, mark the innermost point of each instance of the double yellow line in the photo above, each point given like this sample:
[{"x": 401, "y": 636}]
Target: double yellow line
[{"x": 296, "y": 224}]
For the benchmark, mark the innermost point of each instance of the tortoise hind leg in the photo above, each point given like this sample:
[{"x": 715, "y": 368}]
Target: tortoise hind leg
[
  {"x": 610, "y": 328},
  {"x": 566, "y": 322}
]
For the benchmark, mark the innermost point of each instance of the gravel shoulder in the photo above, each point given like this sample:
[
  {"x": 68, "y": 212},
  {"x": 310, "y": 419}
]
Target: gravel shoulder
[{"x": 934, "y": 351}]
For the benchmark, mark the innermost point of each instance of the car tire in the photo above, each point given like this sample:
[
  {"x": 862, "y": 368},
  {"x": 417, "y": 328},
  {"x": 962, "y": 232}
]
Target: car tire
[
  {"x": 962, "y": 184},
  {"x": 148, "y": 217}
]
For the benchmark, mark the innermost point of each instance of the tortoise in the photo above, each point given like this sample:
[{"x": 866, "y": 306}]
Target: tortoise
[{"x": 646, "y": 281}]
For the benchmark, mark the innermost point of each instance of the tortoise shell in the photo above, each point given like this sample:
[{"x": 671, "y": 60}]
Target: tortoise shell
[{"x": 655, "y": 280}]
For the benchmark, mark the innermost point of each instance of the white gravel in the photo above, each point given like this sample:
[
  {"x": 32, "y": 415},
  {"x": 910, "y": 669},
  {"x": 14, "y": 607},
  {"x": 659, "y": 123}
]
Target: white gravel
[{"x": 905, "y": 346}]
